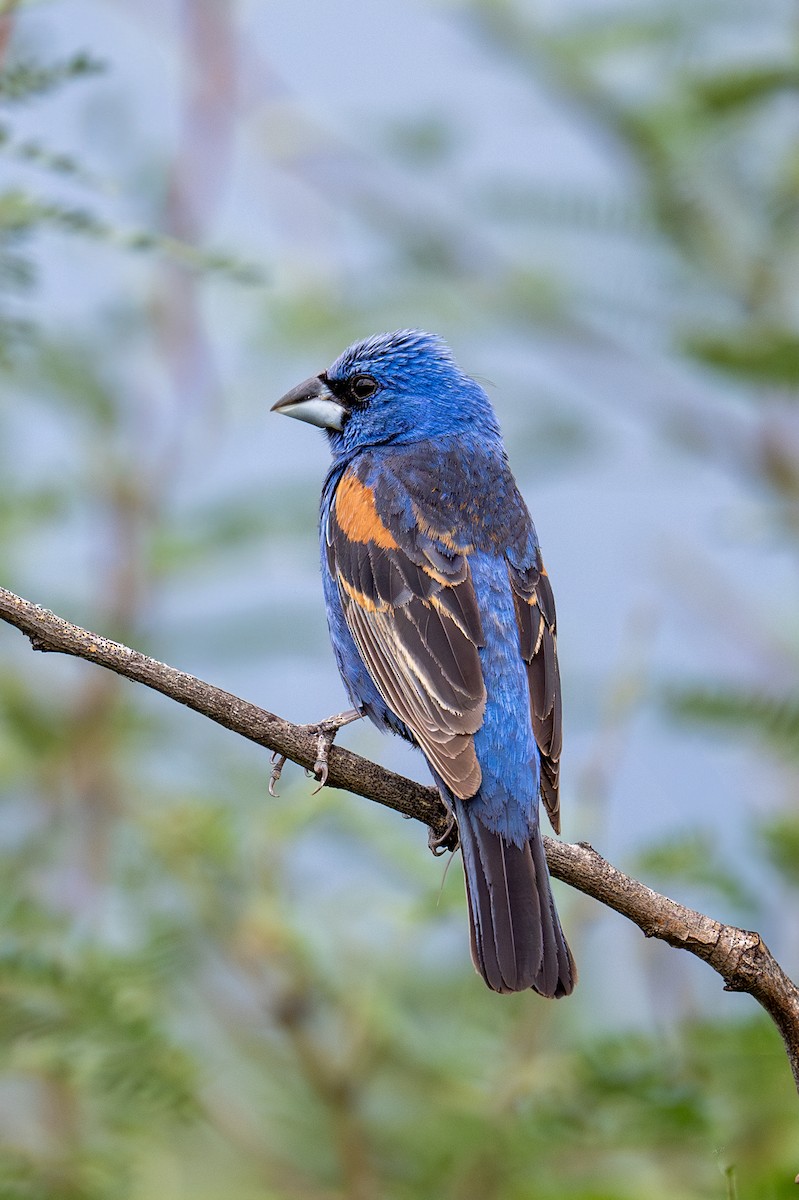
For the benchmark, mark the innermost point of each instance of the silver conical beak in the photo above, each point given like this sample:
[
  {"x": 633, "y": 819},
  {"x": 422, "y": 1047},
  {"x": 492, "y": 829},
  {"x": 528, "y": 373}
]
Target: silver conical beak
[{"x": 312, "y": 401}]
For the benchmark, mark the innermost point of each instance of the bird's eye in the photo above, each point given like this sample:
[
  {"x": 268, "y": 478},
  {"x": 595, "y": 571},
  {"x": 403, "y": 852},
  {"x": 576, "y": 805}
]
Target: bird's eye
[{"x": 362, "y": 387}]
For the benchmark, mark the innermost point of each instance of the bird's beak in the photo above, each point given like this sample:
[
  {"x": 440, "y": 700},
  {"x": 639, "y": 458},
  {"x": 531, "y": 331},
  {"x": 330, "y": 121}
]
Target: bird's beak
[{"x": 312, "y": 401}]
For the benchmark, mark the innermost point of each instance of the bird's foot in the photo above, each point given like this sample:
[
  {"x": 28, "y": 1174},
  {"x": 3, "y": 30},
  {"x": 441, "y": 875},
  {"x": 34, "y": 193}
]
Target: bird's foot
[
  {"x": 325, "y": 736},
  {"x": 278, "y": 763},
  {"x": 440, "y": 843}
]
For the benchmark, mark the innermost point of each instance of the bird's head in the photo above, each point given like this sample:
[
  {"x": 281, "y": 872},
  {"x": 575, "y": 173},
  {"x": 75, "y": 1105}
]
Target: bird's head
[{"x": 391, "y": 388}]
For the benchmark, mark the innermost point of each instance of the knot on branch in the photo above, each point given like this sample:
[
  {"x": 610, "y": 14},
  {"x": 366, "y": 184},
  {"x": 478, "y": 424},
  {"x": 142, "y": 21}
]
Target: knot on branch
[{"x": 41, "y": 643}]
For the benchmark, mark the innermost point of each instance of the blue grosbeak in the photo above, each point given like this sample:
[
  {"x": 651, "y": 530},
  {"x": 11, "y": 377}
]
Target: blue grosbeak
[{"x": 443, "y": 623}]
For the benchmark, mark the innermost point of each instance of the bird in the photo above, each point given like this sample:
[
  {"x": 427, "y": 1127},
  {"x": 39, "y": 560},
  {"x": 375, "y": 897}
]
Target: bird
[{"x": 442, "y": 622}]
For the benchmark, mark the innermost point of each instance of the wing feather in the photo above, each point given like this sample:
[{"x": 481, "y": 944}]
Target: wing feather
[
  {"x": 535, "y": 614},
  {"x": 410, "y": 606}
]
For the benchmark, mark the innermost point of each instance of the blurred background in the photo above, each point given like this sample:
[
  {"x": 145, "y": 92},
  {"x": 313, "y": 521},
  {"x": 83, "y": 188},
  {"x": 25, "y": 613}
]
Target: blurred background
[{"x": 208, "y": 993}]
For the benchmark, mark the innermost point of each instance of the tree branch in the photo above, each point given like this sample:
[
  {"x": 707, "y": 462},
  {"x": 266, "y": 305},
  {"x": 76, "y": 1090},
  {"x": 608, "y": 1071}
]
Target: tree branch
[{"x": 738, "y": 955}]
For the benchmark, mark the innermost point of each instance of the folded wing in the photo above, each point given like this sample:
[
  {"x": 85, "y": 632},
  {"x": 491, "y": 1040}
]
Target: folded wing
[
  {"x": 535, "y": 614},
  {"x": 409, "y": 602}
]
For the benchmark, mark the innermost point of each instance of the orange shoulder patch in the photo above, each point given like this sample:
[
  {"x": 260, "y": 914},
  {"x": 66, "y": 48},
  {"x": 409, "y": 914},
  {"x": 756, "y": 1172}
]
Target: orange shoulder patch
[{"x": 357, "y": 515}]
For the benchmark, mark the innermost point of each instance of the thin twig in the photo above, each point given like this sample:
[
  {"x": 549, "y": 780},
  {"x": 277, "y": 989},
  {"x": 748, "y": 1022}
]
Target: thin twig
[{"x": 740, "y": 956}]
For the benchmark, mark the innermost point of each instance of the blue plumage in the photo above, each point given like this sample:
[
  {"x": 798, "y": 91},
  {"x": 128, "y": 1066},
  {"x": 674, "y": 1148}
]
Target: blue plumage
[
  {"x": 507, "y": 802},
  {"x": 443, "y": 624}
]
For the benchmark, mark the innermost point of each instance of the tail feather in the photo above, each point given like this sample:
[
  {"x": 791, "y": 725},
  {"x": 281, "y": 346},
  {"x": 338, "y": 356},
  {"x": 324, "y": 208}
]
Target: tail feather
[{"x": 516, "y": 938}]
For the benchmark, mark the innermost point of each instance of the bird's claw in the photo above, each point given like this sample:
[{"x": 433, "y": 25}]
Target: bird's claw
[
  {"x": 440, "y": 843},
  {"x": 325, "y": 736},
  {"x": 325, "y": 732},
  {"x": 279, "y": 761}
]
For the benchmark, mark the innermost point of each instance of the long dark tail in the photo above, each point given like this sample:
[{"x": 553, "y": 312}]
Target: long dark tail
[{"x": 517, "y": 941}]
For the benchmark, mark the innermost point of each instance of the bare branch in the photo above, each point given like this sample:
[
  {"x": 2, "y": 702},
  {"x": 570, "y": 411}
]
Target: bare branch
[
  {"x": 50, "y": 633},
  {"x": 738, "y": 955}
]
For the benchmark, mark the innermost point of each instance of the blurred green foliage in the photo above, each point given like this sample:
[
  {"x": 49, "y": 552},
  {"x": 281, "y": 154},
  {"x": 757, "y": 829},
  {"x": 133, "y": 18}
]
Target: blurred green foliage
[
  {"x": 773, "y": 720},
  {"x": 694, "y": 859},
  {"x": 194, "y": 998},
  {"x": 23, "y": 79}
]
